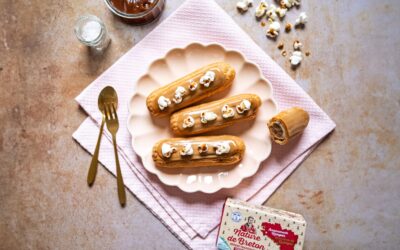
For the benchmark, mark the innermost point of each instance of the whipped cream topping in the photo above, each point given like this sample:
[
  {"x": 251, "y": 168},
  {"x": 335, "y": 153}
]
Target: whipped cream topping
[
  {"x": 244, "y": 106},
  {"x": 188, "y": 122},
  {"x": 261, "y": 9},
  {"x": 167, "y": 150},
  {"x": 302, "y": 19},
  {"x": 295, "y": 58},
  {"x": 273, "y": 29},
  {"x": 179, "y": 93},
  {"x": 207, "y": 79},
  {"x": 186, "y": 149},
  {"x": 227, "y": 112},
  {"x": 243, "y": 5},
  {"x": 207, "y": 116},
  {"x": 193, "y": 85},
  {"x": 222, "y": 148},
  {"x": 203, "y": 148},
  {"x": 163, "y": 102}
]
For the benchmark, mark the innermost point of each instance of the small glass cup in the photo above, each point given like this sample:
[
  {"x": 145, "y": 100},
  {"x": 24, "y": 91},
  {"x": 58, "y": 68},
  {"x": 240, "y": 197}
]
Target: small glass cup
[{"x": 92, "y": 32}]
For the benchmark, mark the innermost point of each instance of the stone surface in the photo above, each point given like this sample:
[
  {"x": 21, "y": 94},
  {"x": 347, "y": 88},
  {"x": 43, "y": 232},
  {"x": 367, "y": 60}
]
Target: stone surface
[{"x": 348, "y": 189}]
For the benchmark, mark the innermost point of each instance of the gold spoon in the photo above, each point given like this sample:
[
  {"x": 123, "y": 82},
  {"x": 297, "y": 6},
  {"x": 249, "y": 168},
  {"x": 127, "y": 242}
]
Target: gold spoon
[{"x": 104, "y": 95}]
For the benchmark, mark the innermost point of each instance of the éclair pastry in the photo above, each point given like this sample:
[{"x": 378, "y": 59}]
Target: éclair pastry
[
  {"x": 196, "y": 86},
  {"x": 215, "y": 115},
  {"x": 288, "y": 124},
  {"x": 202, "y": 151}
]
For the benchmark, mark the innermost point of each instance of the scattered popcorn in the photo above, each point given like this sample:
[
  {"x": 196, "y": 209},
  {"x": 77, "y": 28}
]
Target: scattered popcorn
[
  {"x": 288, "y": 27},
  {"x": 280, "y": 46},
  {"x": 281, "y": 12},
  {"x": 297, "y": 45},
  {"x": 243, "y": 5},
  {"x": 271, "y": 13},
  {"x": 296, "y": 58},
  {"x": 290, "y": 3},
  {"x": 308, "y": 53},
  {"x": 262, "y": 24},
  {"x": 283, "y": 53},
  {"x": 273, "y": 29},
  {"x": 261, "y": 9},
  {"x": 302, "y": 19}
]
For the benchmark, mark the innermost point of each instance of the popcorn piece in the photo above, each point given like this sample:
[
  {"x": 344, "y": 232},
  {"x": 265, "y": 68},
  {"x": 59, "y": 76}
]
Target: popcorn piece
[
  {"x": 227, "y": 112},
  {"x": 290, "y": 3},
  {"x": 192, "y": 85},
  {"x": 206, "y": 117},
  {"x": 296, "y": 58},
  {"x": 281, "y": 12},
  {"x": 244, "y": 106},
  {"x": 302, "y": 19},
  {"x": 271, "y": 13},
  {"x": 244, "y": 5},
  {"x": 288, "y": 27},
  {"x": 163, "y": 102},
  {"x": 280, "y": 46},
  {"x": 187, "y": 149},
  {"x": 203, "y": 148},
  {"x": 261, "y": 9},
  {"x": 308, "y": 53},
  {"x": 297, "y": 45},
  {"x": 273, "y": 29},
  {"x": 207, "y": 79},
  {"x": 179, "y": 93},
  {"x": 283, "y": 53},
  {"x": 167, "y": 150},
  {"x": 188, "y": 122},
  {"x": 222, "y": 148}
]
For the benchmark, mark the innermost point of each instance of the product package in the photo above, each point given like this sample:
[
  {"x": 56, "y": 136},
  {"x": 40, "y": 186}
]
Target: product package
[{"x": 251, "y": 227}]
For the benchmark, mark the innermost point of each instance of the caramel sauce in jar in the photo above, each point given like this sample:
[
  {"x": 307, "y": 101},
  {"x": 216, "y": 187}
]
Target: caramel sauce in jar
[{"x": 136, "y": 11}]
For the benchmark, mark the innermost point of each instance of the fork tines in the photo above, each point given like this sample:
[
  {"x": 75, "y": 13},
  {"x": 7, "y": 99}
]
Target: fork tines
[{"x": 110, "y": 111}]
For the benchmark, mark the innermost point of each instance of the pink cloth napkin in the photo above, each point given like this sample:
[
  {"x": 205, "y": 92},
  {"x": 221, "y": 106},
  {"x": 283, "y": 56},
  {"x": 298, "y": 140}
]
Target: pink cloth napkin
[{"x": 193, "y": 218}]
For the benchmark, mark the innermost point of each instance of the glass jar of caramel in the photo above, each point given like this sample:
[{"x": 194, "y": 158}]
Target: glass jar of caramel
[{"x": 136, "y": 11}]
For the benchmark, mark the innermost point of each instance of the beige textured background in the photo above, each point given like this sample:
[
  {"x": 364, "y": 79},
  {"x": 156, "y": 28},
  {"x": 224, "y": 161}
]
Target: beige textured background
[{"x": 348, "y": 189}]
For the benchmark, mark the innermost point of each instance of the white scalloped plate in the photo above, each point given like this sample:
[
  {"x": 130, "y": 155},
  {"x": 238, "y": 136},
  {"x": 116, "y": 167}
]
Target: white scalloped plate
[{"x": 146, "y": 131}]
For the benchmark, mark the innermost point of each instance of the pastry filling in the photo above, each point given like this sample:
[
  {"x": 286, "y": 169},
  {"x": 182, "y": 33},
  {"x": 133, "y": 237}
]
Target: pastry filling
[
  {"x": 222, "y": 148},
  {"x": 203, "y": 148},
  {"x": 208, "y": 116},
  {"x": 207, "y": 79},
  {"x": 278, "y": 131},
  {"x": 187, "y": 150},
  {"x": 163, "y": 102},
  {"x": 227, "y": 112},
  {"x": 188, "y": 122},
  {"x": 179, "y": 93},
  {"x": 244, "y": 106},
  {"x": 167, "y": 150}
]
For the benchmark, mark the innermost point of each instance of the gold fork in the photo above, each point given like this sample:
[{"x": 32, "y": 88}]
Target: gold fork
[{"x": 113, "y": 126}]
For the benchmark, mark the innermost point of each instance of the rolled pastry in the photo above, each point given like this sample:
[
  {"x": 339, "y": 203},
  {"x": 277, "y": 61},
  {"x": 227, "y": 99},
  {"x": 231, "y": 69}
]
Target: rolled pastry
[
  {"x": 215, "y": 115},
  {"x": 198, "y": 151},
  {"x": 191, "y": 88},
  {"x": 288, "y": 124}
]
